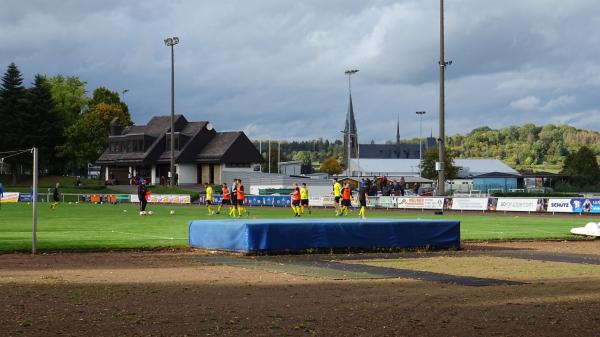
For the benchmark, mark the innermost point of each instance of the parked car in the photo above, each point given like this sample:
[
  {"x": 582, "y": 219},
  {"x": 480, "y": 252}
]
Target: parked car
[{"x": 426, "y": 191}]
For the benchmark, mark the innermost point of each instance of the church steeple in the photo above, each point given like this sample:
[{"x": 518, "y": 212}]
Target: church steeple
[
  {"x": 352, "y": 134},
  {"x": 398, "y": 130}
]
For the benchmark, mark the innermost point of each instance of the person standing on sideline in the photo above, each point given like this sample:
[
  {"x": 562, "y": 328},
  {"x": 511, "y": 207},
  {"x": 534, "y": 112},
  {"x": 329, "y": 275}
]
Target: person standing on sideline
[
  {"x": 296, "y": 200},
  {"x": 337, "y": 193},
  {"x": 1, "y": 194},
  {"x": 55, "y": 196},
  {"x": 240, "y": 199},
  {"x": 209, "y": 198},
  {"x": 304, "y": 198},
  {"x": 233, "y": 209},
  {"x": 142, "y": 196},
  {"x": 402, "y": 185},
  {"x": 362, "y": 199},
  {"x": 226, "y": 198},
  {"x": 346, "y": 197}
]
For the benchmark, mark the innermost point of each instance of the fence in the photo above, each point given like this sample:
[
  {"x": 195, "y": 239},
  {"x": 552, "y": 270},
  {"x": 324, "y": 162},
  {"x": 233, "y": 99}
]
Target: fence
[{"x": 481, "y": 204}]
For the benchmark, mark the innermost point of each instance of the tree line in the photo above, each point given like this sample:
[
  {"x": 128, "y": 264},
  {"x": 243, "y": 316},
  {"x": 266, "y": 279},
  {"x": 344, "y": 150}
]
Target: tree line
[{"x": 56, "y": 115}]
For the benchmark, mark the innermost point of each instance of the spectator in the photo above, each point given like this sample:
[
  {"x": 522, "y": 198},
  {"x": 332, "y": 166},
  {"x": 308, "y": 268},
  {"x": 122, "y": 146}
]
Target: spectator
[{"x": 402, "y": 185}]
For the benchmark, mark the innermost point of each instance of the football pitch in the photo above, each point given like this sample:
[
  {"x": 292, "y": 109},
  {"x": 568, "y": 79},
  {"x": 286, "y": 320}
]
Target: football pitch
[{"x": 101, "y": 227}]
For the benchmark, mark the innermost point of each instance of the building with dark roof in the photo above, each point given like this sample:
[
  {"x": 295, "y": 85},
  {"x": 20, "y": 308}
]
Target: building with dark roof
[{"x": 201, "y": 153}]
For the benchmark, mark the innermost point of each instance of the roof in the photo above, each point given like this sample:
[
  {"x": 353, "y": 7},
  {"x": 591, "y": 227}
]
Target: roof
[
  {"x": 541, "y": 175},
  {"x": 399, "y": 167},
  {"x": 497, "y": 175},
  {"x": 197, "y": 143},
  {"x": 218, "y": 145}
]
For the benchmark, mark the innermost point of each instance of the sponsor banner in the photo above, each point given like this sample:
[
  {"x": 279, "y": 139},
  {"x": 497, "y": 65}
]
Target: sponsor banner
[
  {"x": 10, "y": 197},
  {"x": 328, "y": 201},
  {"x": 420, "y": 203},
  {"x": 518, "y": 204},
  {"x": 164, "y": 198},
  {"x": 169, "y": 199},
  {"x": 25, "y": 197},
  {"x": 585, "y": 205},
  {"x": 387, "y": 202},
  {"x": 469, "y": 204},
  {"x": 560, "y": 206},
  {"x": 315, "y": 202}
]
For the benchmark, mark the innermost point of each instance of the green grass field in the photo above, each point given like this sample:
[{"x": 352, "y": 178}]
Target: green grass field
[{"x": 101, "y": 227}]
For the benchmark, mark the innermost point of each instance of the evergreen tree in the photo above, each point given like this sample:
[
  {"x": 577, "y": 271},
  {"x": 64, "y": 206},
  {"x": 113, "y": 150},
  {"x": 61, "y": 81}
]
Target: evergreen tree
[
  {"x": 46, "y": 124},
  {"x": 13, "y": 103}
]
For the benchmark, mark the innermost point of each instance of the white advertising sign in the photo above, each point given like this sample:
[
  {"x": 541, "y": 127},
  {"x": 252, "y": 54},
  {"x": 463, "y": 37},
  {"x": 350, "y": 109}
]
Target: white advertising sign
[
  {"x": 517, "y": 204},
  {"x": 387, "y": 202},
  {"x": 560, "y": 205},
  {"x": 315, "y": 201},
  {"x": 10, "y": 197},
  {"x": 421, "y": 203},
  {"x": 165, "y": 198},
  {"x": 470, "y": 204}
]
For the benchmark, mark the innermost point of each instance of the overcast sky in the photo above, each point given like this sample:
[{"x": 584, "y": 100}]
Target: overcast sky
[{"x": 275, "y": 68}]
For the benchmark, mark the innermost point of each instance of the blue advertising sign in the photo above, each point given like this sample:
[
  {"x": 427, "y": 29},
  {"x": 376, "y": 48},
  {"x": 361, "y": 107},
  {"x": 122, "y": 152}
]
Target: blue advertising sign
[{"x": 585, "y": 205}]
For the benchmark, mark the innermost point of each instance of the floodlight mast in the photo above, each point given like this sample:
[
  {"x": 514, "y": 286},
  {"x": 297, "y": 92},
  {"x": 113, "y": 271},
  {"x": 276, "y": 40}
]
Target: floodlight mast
[
  {"x": 442, "y": 133},
  {"x": 171, "y": 42}
]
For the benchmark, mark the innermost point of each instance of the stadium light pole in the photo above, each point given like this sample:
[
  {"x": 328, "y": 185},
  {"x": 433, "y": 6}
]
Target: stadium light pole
[
  {"x": 171, "y": 42},
  {"x": 442, "y": 133},
  {"x": 420, "y": 114},
  {"x": 349, "y": 72},
  {"x": 34, "y": 192}
]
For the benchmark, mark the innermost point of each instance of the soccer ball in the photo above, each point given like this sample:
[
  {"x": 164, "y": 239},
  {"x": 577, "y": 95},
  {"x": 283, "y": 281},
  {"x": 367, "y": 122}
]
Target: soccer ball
[
  {"x": 150, "y": 212},
  {"x": 124, "y": 211},
  {"x": 143, "y": 213},
  {"x": 172, "y": 212}
]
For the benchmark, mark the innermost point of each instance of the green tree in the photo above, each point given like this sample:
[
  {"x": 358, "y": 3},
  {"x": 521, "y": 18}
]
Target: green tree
[
  {"x": 582, "y": 164},
  {"x": 331, "y": 166},
  {"x": 69, "y": 96},
  {"x": 104, "y": 95},
  {"x": 87, "y": 138},
  {"x": 430, "y": 157},
  {"x": 46, "y": 124},
  {"x": 304, "y": 156},
  {"x": 13, "y": 106}
]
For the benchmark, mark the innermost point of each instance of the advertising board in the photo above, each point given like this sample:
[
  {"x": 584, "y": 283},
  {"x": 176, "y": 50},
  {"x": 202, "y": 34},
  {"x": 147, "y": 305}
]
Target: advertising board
[
  {"x": 470, "y": 204},
  {"x": 519, "y": 204},
  {"x": 574, "y": 205},
  {"x": 10, "y": 197},
  {"x": 420, "y": 203}
]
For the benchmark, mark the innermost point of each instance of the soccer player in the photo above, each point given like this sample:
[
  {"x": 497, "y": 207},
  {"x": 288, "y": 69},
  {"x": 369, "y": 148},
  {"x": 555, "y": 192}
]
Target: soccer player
[
  {"x": 142, "y": 196},
  {"x": 1, "y": 194},
  {"x": 55, "y": 196},
  {"x": 226, "y": 198},
  {"x": 362, "y": 199},
  {"x": 346, "y": 197},
  {"x": 233, "y": 208},
  {"x": 209, "y": 198},
  {"x": 240, "y": 199},
  {"x": 304, "y": 198},
  {"x": 296, "y": 200},
  {"x": 337, "y": 193}
]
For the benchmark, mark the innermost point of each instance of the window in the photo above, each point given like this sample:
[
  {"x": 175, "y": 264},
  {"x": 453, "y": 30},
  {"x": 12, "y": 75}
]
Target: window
[{"x": 237, "y": 165}]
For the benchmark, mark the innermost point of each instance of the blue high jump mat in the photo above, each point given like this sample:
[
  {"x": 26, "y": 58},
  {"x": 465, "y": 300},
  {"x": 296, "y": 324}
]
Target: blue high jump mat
[{"x": 294, "y": 235}]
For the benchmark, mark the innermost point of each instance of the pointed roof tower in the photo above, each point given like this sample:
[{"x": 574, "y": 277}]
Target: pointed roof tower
[
  {"x": 352, "y": 133},
  {"x": 398, "y": 130}
]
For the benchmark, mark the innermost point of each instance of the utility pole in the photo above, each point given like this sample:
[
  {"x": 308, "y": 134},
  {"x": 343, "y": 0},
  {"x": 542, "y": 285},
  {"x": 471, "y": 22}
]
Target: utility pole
[
  {"x": 171, "y": 42},
  {"x": 34, "y": 193}
]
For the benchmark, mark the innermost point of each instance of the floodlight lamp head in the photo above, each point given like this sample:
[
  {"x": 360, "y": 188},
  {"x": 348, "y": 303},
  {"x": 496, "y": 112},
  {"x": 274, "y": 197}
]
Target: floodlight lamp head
[
  {"x": 176, "y": 41},
  {"x": 168, "y": 41},
  {"x": 351, "y": 71}
]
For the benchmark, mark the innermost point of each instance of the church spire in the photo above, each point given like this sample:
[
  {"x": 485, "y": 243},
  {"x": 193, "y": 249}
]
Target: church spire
[
  {"x": 398, "y": 130},
  {"x": 352, "y": 134}
]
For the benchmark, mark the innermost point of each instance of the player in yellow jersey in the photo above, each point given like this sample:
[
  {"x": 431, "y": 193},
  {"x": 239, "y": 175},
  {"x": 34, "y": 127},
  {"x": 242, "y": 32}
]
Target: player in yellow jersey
[
  {"x": 304, "y": 198},
  {"x": 337, "y": 194},
  {"x": 209, "y": 198}
]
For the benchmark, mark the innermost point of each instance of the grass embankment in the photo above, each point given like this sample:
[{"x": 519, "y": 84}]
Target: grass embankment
[{"x": 101, "y": 227}]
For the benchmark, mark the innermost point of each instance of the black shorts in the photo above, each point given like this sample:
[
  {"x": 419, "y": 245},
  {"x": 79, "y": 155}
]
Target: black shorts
[
  {"x": 304, "y": 202},
  {"x": 226, "y": 202},
  {"x": 208, "y": 202},
  {"x": 337, "y": 200},
  {"x": 240, "y": 202},
  {"x": 363, "y": 203},
  {"x": 234, "y": 202},
  {"x": 296, "y": 202},
  {"x": 346, "y": 202}
]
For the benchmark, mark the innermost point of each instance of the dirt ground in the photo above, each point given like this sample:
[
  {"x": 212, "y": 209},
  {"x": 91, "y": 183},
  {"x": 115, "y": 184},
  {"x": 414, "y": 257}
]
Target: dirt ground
[{"x": 196, "y": 293}]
